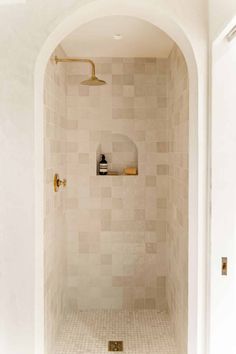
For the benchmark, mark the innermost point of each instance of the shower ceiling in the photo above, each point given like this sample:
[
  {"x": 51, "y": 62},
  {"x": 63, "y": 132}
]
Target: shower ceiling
[{"x": 139, "y": 39}]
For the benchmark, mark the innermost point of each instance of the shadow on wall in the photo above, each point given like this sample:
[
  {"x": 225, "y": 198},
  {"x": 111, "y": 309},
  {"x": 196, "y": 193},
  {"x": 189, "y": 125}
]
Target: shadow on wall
[{"x": 120, "y": 151}]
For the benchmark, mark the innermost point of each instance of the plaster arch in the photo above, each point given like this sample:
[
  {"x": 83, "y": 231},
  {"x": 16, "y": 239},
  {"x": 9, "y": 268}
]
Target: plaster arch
[{"x": 151, "y": 13}]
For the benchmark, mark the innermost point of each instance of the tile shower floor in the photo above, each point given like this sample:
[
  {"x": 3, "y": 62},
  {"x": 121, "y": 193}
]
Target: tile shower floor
[{"x": 142, "y": 332}]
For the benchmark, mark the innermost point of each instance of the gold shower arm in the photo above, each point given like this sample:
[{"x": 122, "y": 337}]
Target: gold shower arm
[{"x": 69, "y": 60}]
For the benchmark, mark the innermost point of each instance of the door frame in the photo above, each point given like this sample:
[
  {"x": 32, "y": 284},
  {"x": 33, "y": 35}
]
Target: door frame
[{"x": 198, "y": 171}]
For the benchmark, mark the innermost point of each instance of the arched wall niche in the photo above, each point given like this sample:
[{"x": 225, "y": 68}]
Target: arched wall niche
[
  {"x": 148, "y": 12},
  {"x": 121, "y": 152}
]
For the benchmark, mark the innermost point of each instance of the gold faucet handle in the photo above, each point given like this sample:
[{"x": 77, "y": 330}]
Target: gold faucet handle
[
  {"x": 63, "y": 182},
  {"x": 58, "y": 183}
]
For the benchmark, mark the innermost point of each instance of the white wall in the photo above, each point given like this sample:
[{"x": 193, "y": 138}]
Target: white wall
[
  {"x": 24, "y": 30},
  {"x": 223, "y": 224},
  {"x": 11, "y": 2},
  {"x": 223, "y": 234},
  {"x": 220, "y": 13}
]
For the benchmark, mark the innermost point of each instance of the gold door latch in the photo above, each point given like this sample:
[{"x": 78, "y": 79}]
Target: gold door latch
[
  {"x": 224, "y": 266},
  {"x": 58, "y": 182}
]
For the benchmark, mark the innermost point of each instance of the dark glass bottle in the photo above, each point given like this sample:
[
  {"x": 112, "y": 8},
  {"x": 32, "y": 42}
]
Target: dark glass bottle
[{"x": 103, "y": 167}]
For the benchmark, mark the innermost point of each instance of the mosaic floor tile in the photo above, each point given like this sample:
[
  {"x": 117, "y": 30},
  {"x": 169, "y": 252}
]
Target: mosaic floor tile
[{"x": 142, "y": 332}]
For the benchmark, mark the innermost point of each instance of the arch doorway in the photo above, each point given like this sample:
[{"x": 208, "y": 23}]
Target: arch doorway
[{"x": 88, "y": 13}]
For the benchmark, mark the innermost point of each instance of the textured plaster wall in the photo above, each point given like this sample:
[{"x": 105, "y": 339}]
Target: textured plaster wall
[
  {"x": 24, "y": 29},
  {"x": 177, "y": 231},
  {"x": 55, "y": 111}
]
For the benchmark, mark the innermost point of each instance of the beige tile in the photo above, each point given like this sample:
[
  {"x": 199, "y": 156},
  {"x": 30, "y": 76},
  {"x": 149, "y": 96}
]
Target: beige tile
[
  {"x": 83, "y": 158},
  {"x": 117, "y": 203},
  {"x": 150, "y": 303},
  {"x": 151, "y": 247},
  {"x": 106, "y": 259},
  {"x": 162, "y": 147},
  {"x": 106, "y": 192},
  {"x": 162, "y": 169},
  {"x": 150, "y": 181},
  {"x": 128, "y": 90}
]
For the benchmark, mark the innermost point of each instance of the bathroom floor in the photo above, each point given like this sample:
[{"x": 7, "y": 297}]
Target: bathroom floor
[{"x": 142, "y": 332}]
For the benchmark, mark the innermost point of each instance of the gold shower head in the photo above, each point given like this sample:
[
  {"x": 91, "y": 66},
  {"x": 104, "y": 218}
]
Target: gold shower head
[{"x": 93, "y": 81}]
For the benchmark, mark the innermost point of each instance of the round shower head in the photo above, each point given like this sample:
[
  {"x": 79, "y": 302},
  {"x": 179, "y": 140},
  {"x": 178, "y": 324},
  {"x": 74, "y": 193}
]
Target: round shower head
[{"x": 93, "y": 81}]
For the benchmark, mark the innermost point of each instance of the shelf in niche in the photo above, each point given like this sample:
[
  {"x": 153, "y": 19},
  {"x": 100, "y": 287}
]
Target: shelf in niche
[
  {"x": 120, "y": 152},
  {"x": 118, "y": 175}
]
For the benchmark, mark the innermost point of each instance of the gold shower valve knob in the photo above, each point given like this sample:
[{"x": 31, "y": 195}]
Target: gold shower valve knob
[{"x": 58, "y": 182}]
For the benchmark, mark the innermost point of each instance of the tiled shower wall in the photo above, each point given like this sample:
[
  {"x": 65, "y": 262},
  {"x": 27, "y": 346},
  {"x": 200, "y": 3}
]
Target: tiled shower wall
[
  {"x": 54, "y": 222},
  {"x": 177, "y": 234},
  {"x": 116, "y": 226},
  {"x": 123, "y": 236}
]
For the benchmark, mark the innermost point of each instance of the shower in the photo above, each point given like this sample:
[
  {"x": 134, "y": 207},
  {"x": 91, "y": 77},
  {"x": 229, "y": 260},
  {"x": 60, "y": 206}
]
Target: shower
[
  {"x": 93, "y": 80},
  {"x": 116, "y": 264}
]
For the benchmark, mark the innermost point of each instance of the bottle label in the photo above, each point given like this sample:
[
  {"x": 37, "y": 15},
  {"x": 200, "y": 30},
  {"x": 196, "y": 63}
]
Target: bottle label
[{"x": 103, "y": 167}]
